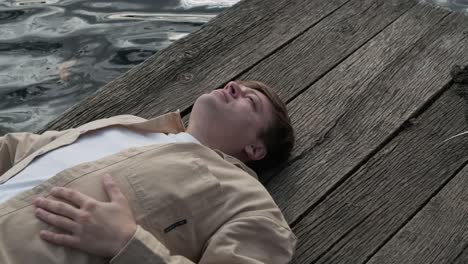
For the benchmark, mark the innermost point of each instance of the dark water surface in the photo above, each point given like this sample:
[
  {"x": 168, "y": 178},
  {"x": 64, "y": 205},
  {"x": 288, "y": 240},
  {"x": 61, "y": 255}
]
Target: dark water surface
[
  {"x": 454, "y": 5},
  {"x": 54, "y": 53}
]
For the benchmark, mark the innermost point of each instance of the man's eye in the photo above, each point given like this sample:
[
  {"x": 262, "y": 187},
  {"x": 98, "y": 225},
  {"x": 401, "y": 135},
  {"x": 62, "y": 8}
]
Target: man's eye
[{"x": 252, "y": 102}]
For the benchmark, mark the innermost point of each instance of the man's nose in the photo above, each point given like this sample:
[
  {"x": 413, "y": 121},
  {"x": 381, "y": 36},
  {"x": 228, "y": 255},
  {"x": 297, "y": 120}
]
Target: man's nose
[{"x": 234, "y": 89}]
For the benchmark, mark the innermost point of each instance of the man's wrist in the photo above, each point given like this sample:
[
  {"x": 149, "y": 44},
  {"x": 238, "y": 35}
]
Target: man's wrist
[
  {"x": 143, "y": 246},
  {"x": 127, "y": 235}
]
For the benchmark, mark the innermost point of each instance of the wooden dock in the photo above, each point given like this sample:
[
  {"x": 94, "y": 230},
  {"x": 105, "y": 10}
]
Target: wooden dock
[{"x": 369, "y": 89}]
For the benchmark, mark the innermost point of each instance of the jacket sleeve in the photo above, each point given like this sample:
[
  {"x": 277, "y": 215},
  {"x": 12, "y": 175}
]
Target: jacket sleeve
[
  {"x": 249, "y": 240},
  {"x": 16, "y": 146}
]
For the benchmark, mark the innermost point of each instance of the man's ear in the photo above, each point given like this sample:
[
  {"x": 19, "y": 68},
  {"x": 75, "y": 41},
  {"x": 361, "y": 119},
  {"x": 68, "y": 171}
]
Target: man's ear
[{"x": 255, "y": 151}]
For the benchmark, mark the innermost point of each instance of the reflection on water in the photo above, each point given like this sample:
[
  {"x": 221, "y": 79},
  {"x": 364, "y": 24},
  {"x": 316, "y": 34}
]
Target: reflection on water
[
  {"x": 53, "y": 53},
  {"x": 454, "y": 5}
]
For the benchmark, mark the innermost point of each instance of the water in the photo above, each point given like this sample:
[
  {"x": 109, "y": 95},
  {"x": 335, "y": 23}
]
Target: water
[
  {"x": 454, "y": 5},
  {"x": 54, "y": 53}
]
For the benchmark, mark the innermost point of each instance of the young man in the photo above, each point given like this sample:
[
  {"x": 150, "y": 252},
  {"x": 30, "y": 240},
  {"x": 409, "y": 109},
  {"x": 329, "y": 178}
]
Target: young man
[{"x": 192, "y": 198}]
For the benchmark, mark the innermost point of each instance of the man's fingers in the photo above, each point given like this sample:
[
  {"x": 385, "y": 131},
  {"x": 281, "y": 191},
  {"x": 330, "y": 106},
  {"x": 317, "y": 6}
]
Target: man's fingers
[
  {"x": 70, "y": 195},
  {"x": 57, "y": 207},
  {"x": 60, "y": 239},
  {"x": 57, "y": 221},
  {"x": 113, "y": 190}
]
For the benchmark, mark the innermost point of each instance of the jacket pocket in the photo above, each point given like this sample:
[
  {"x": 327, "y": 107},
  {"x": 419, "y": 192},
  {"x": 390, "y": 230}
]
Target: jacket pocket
[{"x": 172, "y": 189}]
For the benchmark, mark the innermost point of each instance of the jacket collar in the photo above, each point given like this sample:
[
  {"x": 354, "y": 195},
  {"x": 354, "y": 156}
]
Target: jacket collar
[
  {"x": 237, "y": 163},
  {"x": 167, "y": 123}
]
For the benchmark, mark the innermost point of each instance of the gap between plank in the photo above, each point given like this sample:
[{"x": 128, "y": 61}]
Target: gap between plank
[
  {"x": 417, "y": 211},
  {"x": 304, "y": 153},
  {"x": 188, "y": 110},
  {"x": 459, "y": 254},
  {"x": 346, "y": 57},
  {"x": 392, "y": 135}
]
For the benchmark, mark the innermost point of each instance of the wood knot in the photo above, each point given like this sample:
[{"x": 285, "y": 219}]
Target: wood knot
[
  {"x": 345, "y": 28},
  {"x": 185, "y": 77},
  {"x": 188, "y": 54}
]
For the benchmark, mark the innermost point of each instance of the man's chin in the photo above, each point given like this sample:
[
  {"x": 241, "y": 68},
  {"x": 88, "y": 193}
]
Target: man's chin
[
  {"x": 207, "y": 106},
  {"x": 211, "y": 100}
]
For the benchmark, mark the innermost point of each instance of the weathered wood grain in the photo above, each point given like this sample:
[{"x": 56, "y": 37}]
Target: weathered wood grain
[
  {"x": 296, "y": 66},
  {"x": 352, "y": 111},
  {"x": 222, "y": 49},
  {"x": 462, "y": 258},
  {"x": 439, "y": 232},
  {"x": 369, "y": 207}
]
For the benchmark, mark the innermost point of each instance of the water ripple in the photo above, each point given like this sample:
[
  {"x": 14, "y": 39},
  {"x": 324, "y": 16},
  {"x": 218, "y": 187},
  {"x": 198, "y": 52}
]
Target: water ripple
[
  {"x": 454, "y": 5},
  {"x": 10, "y": 15},
  {"x": 54, "y": 53}
]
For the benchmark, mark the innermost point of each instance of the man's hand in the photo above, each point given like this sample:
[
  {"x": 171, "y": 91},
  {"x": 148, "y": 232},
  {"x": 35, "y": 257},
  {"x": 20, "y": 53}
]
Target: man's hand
[{"x": 95, "y": 227}]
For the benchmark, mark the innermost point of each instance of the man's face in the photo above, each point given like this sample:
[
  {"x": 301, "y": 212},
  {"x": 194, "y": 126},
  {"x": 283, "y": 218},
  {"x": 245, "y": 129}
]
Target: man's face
[{"x": 234, "y": 116}]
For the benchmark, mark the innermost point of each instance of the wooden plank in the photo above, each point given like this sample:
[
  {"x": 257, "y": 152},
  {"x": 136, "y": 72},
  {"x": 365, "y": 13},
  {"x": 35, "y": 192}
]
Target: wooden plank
[
  {"x": 298, "y": 65},
  {"x": 369, "y": 207},
  {"x": 294, "y": 67},
  {"x": 462, "y": 258},
  {"x": 351, "y": 112},
  {"x": 439, "y": 232},
  {"x": 222, "y": 49}
]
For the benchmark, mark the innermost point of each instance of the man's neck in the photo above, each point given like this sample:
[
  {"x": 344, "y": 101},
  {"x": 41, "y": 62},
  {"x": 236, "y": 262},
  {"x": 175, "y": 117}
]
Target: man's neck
[{"x": 198, "y": 136}]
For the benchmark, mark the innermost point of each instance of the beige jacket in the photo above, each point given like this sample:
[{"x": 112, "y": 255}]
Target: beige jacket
[{"x": 191, "y": 204}]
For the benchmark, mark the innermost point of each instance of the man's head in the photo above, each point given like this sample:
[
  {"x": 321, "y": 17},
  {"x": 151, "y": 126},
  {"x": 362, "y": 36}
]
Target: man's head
[{"x": 245, "y": 119}]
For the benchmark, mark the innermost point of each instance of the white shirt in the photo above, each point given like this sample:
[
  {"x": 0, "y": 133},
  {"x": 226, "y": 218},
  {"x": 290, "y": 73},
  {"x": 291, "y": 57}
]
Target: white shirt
[{"x": 91, "y": 146}]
